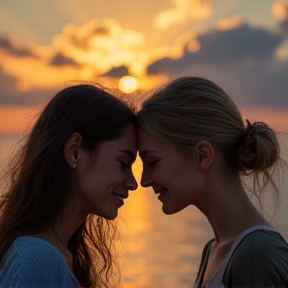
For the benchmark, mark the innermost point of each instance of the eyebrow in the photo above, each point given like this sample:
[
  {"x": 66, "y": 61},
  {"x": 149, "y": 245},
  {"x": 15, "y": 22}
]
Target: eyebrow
[
  {"x": 131, "y": 155},
  {"x": 143, "y": 153}
]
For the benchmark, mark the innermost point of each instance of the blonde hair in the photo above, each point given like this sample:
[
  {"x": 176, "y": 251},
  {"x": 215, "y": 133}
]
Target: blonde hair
[{"x": 190, "y": 109}]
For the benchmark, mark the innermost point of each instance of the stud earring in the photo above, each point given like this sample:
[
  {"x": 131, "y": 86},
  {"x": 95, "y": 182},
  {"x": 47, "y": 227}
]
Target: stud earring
[{"x": 74, "y": 166}]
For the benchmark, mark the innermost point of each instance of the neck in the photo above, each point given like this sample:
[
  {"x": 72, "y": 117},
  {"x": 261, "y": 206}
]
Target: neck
[
  {"x": 68, "y": 221},
  {"x": 229, "y": 210},
  {"x": 60, "y": 236}
]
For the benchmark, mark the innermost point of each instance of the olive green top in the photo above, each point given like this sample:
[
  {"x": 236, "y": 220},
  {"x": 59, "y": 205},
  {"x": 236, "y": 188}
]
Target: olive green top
[{"x": 258, "y": 260}]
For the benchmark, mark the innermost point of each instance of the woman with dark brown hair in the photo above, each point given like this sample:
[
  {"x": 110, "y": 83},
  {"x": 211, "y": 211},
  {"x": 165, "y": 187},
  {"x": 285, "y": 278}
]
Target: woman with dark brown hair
[
  {"x": 197, "y": 150},
  {"x": 63, "y": 188}
]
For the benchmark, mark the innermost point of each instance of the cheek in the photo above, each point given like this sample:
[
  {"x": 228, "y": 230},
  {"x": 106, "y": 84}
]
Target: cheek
[
  {"x": 88, "y": 184},
  {"x": 90, "y": 180},
  {"x": 164, "y": 174},
  {"x": 169, "y": 169},
  {"x": 176, "y": 176}
]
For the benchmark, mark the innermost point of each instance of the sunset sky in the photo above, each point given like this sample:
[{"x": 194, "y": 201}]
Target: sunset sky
[{"x": 242, "y": 45}]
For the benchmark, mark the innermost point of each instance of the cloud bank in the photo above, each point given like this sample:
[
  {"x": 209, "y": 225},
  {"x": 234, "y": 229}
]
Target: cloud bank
[{"x": 251, "y": 62}]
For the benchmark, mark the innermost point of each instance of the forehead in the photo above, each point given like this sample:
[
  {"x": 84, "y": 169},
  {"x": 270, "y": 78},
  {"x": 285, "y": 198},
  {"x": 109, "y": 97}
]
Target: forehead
[
  {"x": 128, "y": 140},
  {"x": 147, "y": 142},
  {"x": 129, "y": 137}
]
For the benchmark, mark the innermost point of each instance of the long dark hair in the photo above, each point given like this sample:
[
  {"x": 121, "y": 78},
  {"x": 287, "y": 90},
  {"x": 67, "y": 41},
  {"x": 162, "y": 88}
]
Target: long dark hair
[{"x": 37, "y": 179}]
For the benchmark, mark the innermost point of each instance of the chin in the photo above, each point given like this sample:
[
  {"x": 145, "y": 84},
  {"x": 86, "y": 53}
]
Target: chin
[
  {"x": 168, "y": 211},
  {"x": 108, "y": 216},
  {"x": 111, "y": 218},
  {"x": 171, "y": 210}
]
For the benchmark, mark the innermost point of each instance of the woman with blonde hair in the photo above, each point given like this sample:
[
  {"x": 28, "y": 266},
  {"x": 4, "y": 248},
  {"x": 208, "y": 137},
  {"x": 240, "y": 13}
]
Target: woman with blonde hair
[
  {"x": 196, "y": 150},
  {"x": 63, "y": 188}
]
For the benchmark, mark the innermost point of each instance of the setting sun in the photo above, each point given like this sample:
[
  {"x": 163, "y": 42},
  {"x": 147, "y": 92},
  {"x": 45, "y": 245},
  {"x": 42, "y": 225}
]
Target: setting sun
[
  {"x": 132, "y": 50},
  {"x": 128, "y": 84}
]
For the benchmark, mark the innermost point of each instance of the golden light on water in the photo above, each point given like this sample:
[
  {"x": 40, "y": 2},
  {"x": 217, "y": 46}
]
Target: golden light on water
[
  {"x": 128, "y": 84},
  {"x": 146, "y": 233}
]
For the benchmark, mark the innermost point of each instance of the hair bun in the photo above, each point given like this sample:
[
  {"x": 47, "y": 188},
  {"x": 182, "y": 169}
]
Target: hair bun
[{"x": 258, "y": 149}]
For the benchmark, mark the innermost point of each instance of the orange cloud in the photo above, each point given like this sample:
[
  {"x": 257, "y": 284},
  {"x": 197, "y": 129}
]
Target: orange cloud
[
  {"x": 231, "y": 23},
  {"x": 32, "y": 72},
  {"x": 87, "y": 53},
  {"x": 182, "y": 11},
  {"x": 101, "y": 45},
  {"x": 82, "y": 53},
  {"x": 175, "y": 51},
  {"x": 280, "y": 10}
]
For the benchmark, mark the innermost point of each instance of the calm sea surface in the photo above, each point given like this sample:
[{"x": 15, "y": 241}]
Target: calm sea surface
[{"x": 159, "y": 250}]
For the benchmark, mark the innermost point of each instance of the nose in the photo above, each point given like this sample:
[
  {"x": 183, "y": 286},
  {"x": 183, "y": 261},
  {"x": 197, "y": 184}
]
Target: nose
[
  {"x": 146, "y": 179},
  {"x": 131, "y": 182}
]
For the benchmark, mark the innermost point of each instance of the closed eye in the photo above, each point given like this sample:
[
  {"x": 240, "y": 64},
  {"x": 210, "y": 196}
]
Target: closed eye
[
  {"x": 123, "y": 164},
  {"x": 152, "y": 163}
]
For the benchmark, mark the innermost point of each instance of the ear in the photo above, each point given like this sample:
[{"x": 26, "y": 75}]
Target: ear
[
  {"x": 71, "y": 149},
  {"x": 205, "y": 153}
]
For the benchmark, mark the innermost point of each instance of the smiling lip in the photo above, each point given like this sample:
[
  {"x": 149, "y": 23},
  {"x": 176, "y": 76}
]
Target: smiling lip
[
  {"x": 161, "y": 193},
  {"x": 120, "y": 198}
]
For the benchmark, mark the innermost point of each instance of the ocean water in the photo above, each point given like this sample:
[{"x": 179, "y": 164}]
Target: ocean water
[{"x": 158, "y": 250}]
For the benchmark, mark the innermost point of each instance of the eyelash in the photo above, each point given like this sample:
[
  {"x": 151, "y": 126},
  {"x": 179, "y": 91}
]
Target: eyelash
[
  {"x": 152, "y": 163},
  {"x": 123, "y": 164}
]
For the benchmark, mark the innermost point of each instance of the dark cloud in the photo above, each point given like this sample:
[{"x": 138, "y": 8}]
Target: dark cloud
[
  {"x": 13, "y": 48},
  {"x": 60, "y": 60},
  {"x": 222, "y": 47},
  {"x": 250, "y": 83},
  {"x": 9, "y": 95},
  {"x": 241, "y": 60},
  {"x": 284, "y": 26},
  {"x": 240, "y": 43},
  {"x": 117, "y": 72}
]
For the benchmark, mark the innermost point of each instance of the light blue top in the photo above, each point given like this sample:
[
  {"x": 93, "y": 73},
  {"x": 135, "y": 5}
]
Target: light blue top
[{"x": 34, "y": 262}]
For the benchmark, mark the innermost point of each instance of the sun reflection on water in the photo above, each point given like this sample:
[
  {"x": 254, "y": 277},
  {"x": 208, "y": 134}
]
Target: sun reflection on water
[
  {"x": 160, "y": 250},
  {"x": 157, "y": 250}
]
